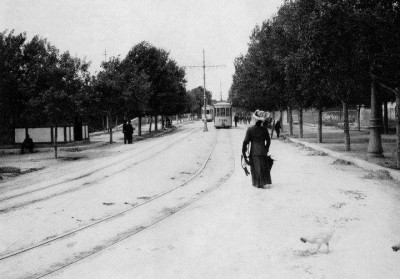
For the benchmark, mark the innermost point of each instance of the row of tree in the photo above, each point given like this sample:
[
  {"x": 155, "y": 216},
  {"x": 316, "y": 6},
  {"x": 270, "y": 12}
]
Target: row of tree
[
  {"x": 322, "y": 53},
  {"x": 41, "y": 86}
]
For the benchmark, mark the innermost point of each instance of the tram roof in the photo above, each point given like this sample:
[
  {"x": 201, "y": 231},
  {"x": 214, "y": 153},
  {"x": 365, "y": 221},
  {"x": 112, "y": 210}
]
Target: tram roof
[{"x": 222, "y": 104}]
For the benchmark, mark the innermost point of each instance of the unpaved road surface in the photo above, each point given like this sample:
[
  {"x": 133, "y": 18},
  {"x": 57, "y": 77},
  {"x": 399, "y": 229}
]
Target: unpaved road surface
[{"x": 201, "y": 218}]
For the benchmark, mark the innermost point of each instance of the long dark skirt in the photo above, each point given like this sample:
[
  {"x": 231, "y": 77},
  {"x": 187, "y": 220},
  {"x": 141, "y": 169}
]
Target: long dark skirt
[{"x": 260, "y": 171}]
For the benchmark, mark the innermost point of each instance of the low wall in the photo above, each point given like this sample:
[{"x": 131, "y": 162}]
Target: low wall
[
  {"x": 47, "y": 134},
  {"x": 336, "y": 116}
]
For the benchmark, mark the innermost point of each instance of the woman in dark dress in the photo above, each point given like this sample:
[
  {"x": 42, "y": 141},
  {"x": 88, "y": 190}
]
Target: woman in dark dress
[
  {"x": 277, "y": 128},
  {"x": 259, "y": 139}
]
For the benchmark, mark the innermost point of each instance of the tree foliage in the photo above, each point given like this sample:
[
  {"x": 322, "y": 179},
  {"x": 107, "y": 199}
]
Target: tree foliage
[
  {"x": 166, "y": 94},
  {"x": 41, "y": 86},
  {"x": 196, "y": 99},
  {"x": 321, "y": 53}
]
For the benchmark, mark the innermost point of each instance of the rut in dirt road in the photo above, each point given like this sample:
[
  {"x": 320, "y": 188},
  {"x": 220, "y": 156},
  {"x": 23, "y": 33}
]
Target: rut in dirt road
[{"x": 168, "y": 203}]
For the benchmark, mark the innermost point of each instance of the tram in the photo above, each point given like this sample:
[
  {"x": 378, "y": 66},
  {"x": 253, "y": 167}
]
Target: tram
[
  {"x": 223, "y": 115},
  {"x": 209, "y": 113}
]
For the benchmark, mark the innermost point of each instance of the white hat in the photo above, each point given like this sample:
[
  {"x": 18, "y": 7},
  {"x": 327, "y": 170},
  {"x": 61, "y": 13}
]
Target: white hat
[{"x": 260, "y": 115}]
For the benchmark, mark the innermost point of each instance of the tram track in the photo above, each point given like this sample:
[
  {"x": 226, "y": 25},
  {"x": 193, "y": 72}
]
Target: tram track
[
  {"x": 88, "y": 184},
  {"x": 131, "y": 231},
  {"x": 114, "y": 215}
]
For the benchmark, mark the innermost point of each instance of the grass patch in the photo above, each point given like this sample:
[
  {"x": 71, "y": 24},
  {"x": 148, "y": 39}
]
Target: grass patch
[
  {"x": 317, "y": 153},
  {"x": 71, "y": 158},
  {"x": 379, "y": 175},
  {"x": 8, "y": 169},
  {"x": 342, "y": 162}
]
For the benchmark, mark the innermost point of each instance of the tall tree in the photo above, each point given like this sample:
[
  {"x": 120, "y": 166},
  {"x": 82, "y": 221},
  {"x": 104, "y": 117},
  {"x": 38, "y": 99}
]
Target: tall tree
[
  {"x": 165, "y": 78},
  {"x": 11, "y": 74},
  {"x": 197, "y": 99},
  {"x": 108, "y": 90}
]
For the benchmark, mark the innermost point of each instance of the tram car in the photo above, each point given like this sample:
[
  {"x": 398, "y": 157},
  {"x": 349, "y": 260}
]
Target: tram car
[
  {"x": 223, "y": 115},
  {"x": 209, "y": 113}
]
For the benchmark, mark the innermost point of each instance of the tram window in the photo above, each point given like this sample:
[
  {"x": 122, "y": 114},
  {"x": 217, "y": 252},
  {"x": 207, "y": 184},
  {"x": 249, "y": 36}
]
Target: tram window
[
  {"x": 228, "y": 112},
  {"x": 223, "y": 112},
  {"x": 217, "y": 113}
]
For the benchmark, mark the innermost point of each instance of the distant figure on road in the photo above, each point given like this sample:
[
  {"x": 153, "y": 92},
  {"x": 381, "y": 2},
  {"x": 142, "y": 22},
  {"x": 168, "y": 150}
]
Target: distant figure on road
[
  {"x": 168, "y": 123},
  {"x": 236, "y": 119},
  {"x": 27, "y": 144},
  {"x": 129, "y": 131},
  {"x": 277, "y": 128},
  {"x": 258, "y": 159},
  {"x": 124, "y": 131}
]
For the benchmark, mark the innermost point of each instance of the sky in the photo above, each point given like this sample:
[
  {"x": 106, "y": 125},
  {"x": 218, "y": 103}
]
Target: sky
[{"x": 89, "y": 29}]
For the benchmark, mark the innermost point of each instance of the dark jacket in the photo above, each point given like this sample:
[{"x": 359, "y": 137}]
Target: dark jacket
[
  {"x": 277, "y": 125},
  {"x": 124, "y": 128},
  {"x": 260, "y": 141},
  {"x": 129, "y": 129}
]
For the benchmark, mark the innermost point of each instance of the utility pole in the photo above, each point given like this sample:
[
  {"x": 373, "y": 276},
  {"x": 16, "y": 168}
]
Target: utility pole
[
  {"x": 205, "y": 129},
  {"x": 220, "y": 91}
]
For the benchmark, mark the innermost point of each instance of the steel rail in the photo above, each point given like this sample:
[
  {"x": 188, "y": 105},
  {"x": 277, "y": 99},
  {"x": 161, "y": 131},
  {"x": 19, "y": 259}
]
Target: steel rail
[{"x": 112, "y": 216}]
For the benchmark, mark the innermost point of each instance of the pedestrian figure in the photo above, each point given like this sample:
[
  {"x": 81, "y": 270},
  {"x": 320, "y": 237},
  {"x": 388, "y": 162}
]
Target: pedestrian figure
[
  {"x": 168, "y": 123},
  {"x": 277, "y": 128},
  {"x": 236, "y": 119},
  {"x": 260, "y": 163},
  {"x": 27, "y": 144},
  {"x": 124, "y": 132},
  {"x": 129, "y": 131}
]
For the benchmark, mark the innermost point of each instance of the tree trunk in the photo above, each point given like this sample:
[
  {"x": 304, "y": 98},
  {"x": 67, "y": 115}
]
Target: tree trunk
[
  {"x": 110, "y": 128},
  {"x": 346, "y": 126},
  {"x": 312, "y": 115},
  {"x": 162, "y": 122},
  {"x": 281, "y": 118},
  {"x": 150, "y": 122},
  {"x": 385, "y": 119},
  {"x": 290, "y": 120},
  {"x": 320, "y": 125},
  {"x": 358, "y": 117},
  {"x": 156, "y": 123},
  {"x": 273, "y": 124},
  {"x": 375, "y": 142},
  {"x": 398, "y": 126},
  {"x": 139, "y": 126},
  {"x": 55, "y": 141},
  {"x": 301, "y": 122}
]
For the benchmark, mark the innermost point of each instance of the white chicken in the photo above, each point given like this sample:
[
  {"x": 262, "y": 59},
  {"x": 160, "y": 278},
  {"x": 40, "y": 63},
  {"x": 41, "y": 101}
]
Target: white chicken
[
  {"x": 396, "y": 247},
  {"x": 321, "y": 237}
]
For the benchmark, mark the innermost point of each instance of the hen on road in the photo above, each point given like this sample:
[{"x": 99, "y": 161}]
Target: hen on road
[{"x": 321, "y": 237}]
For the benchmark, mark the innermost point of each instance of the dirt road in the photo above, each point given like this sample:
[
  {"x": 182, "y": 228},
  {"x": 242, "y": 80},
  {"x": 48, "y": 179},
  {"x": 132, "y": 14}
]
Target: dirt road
[{"x": 233, "y": 230}]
